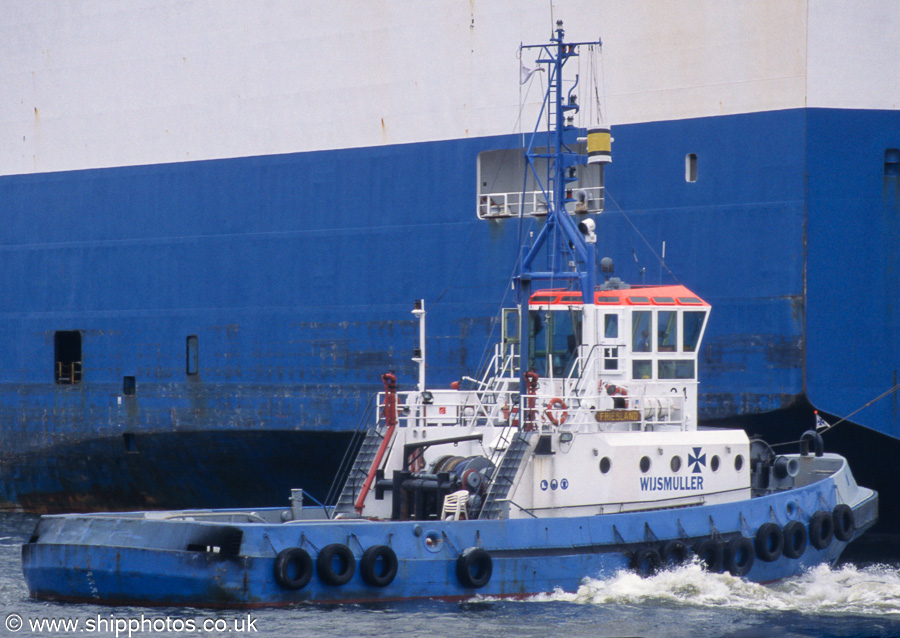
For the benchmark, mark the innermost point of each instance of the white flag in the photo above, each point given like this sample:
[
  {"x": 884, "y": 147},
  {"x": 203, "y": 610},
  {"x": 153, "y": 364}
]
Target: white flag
[
  {"x": 525, "y": 73},
  {"x": 821, "y": 424}
]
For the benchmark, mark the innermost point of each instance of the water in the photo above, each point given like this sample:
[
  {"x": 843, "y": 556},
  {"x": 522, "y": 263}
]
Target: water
[{"x": 849, "y": 601}]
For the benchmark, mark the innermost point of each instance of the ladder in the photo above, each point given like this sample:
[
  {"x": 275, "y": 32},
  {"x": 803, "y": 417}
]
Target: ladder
[
  {"x": 506, "y": 472},
  {"x": 357, "y": 474}
]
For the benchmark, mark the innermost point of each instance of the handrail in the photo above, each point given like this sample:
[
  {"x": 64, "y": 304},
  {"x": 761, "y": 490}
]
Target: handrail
[
  {"x": 346, "y": 465},
  {"x": 390, "y": 416},
  {"x": 486, "y": 405},
  {"x": 533, "y": 204},
  {"x": 581, "y": 364}
]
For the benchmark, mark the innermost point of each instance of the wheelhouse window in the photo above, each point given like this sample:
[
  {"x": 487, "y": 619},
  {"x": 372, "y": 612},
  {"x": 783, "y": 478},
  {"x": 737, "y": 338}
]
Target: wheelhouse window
[
  {"x": 641, "y": 369},
  {"x": 676, "y": 369},
  {"x": 640, "y": 331},
  {"x": 554, "y": 337},
  {"x": 611, "y": 326},
  {"x": 693, "y": 327},
  {"x": 67, "y": 357},
  {"x": 610, "y": 358},
  {"x": 510, "y": 325},
  {"x": 668, "y": 331}
]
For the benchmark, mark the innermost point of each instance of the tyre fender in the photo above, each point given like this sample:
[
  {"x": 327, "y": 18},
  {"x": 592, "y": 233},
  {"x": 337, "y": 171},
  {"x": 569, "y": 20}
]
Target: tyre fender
[
  {"x": 378, "y": 565},
  {"x": 335, "y": 564},
  {"x": 474, "y": 567},
  {"x": 293, "y": 568}
]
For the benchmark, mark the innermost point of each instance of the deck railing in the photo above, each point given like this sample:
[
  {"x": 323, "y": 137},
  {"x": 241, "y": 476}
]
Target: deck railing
[{"x": 532, "y": 204}]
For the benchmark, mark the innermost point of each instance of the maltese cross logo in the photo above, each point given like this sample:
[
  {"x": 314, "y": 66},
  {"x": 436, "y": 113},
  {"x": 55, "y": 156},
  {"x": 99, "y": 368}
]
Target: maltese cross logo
[{"x": 696, "y": 460}]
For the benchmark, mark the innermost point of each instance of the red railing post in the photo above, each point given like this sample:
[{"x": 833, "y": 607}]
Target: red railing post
[{"x": 390, "y": 418}]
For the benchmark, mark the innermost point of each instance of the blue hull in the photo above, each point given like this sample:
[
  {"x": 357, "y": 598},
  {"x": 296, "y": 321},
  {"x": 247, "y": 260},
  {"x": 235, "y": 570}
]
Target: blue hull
[
  {"x": 134, "y": 560},
  {"x": 243, "y": 254}
]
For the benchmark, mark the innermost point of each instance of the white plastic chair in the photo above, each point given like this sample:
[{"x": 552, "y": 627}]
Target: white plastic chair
[{"x": 455, "y": 506}]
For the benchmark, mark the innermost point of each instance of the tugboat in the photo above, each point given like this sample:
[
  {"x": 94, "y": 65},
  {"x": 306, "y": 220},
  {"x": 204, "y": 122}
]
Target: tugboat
[{"x": 577, "y": 454}]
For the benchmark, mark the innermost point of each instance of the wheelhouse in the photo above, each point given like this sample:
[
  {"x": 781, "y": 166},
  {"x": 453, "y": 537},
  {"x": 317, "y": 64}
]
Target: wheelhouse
[{"x": 644, "y": 333}]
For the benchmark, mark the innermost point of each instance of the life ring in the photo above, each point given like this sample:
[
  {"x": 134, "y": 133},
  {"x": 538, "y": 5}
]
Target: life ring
[
  {"x": 739, "y": 556},
  {"x": 712, "y": 554},
  {"x": 335, "y": 564},
  {"x": 557, "y": 404},
  {"x": 293, "y": 568},
  {"x": 674, "y": 553},
  {"x": 795, "y": 539},
  {"x": 769, "y": 542},
  {"x": 474, "y": 567},
  {"x": 844, "y": 522},
  {"x": 646, "y": 561},
  {"x": 821, "y": 529},
  {"x": 378, "y": 565}
]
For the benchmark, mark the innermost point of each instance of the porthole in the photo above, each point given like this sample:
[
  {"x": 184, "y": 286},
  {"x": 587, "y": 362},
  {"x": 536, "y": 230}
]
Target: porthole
[
  {"x": 645, "y": 464},
  {"x": 676, "y": 463},
  {"x": 605, "y": 464},
  {"x": 433, "y": 541},
  {"x": 714, "y": 464},
  {"x": 690, "y": 168},
  {"x": 739, "y": 462}
]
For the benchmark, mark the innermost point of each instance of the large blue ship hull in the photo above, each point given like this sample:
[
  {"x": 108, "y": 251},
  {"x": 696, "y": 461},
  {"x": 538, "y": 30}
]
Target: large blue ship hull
[{"x": 790, "y": 231}]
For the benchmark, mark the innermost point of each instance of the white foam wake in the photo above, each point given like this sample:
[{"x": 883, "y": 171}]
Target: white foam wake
[{"x": 865, "y": 591}]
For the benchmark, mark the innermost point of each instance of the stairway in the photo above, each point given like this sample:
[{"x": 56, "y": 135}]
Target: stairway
[
  {"x": 357, "y": 474},
  {"x": 505, "y": 475}
]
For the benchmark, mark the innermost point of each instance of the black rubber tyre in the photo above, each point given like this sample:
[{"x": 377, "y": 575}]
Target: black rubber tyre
[
  {"x": 674, "y": 553},
  {"x": 844, "y": 522},
  {"x": 378, "y": 565},
  {"x": 712, "y": 554},
  {"x": 739, "y": 556},
  {"x": 646, "y": 561},
  {"x": 474, "y": 567},
  {"x": 335, "y": 564},
  {"x": 795, "y": 539},
  {"x": 769, "y": 542},
  {"x": 293, "y": 568},
  {"x": 821, "y": 529}
]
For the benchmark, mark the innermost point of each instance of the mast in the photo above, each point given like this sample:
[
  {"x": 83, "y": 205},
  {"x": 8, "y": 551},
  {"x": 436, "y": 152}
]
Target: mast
[{"x": 563, "y": 240}]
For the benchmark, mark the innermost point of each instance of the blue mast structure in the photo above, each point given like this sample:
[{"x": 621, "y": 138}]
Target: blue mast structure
[{"x": 565, "y": 241}]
